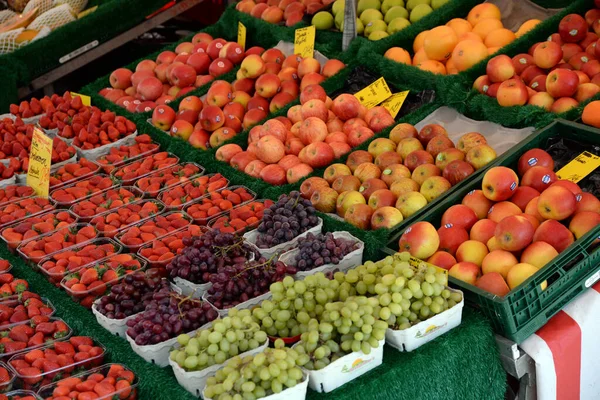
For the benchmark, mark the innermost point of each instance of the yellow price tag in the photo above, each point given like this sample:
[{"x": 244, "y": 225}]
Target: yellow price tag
[
  {"x": 86, "y": 100},
  {"x": 374, "y": 94},
  {"x": 40, "y": 158},
  {"x": 580, "y": 167},
  {"x": 304, "y": 41},
  {"x": 394, "y": 103},
  {"x": 87, "y": 12},
  {"x": 241, "y": 35}
]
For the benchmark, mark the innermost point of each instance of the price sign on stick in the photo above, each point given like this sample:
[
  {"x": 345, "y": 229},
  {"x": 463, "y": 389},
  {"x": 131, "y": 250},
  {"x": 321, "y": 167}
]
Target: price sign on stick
[
  {"x": 304, "y": 41},
  {"x": 85, "y": 100},
  {"x": 580, "y": 167},
  {"x": 394, "y": 103},
  {"x": 242, "y": 35},
  {"x": 374, "y": 94},
  {"x": 40, "y": 158}
]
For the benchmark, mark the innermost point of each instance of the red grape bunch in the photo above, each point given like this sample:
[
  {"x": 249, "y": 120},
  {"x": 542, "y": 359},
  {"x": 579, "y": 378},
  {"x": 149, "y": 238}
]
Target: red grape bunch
[{"x": 322, "y": 249}]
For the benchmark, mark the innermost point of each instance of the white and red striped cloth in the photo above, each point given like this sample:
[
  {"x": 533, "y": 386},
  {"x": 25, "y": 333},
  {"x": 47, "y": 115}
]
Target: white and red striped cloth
[{"x": 567, "y": 351}]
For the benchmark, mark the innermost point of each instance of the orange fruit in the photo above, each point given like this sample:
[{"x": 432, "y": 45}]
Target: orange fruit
[
  {"x": 419, "y": 57},
  {"x": 485, "y": 26},
  {"x": 470, "y": 36},
  {"x": 459, "y": 26},
  {"x": 591, "y": 114},
  {"x": 450, "y": 67},
  {"x": 499, "y": 38},
  {"x": 418, "y": 43},
  {"x": 439, "y": 43},
  {"x": 526, "y": 27},
  {"x": 493, "y": 50},
  {"x": 483, "y": 11},
  {"x": 399, "y": 55},
  {"x": 432, "y": 66},
  {"x": 468, "y": 53}
]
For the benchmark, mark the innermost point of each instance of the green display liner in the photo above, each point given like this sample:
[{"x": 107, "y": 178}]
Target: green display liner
[
  {"x": 455, "y": 90},
  {"x": 527, "y": 308},
  {"x": 110, "y": 19}
]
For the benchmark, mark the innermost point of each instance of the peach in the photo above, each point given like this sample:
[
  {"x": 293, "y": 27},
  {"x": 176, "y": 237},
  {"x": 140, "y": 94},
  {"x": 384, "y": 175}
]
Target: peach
[
  {"x": 499, "y": 183},
  {"x": 421, "y": 240},
  {"x": 451, "y": 237},
  {"x": 494, "y": 283},
  {"x": 556, "y": 203},
  {"x": 459, "y": 215},
  {"x": 520, "y": 273},
  {"x": 538, "y": 254},
  {"x": 442, "y": 259},
  {"x": 514, "y": 233},
  {"x": 555, "y": 234},
  {"x": 483, "y": 230},
  {"x": 583, "y": 222},
  {"x": 471, "y": 251},
  {"x": 465, "y": 271}
]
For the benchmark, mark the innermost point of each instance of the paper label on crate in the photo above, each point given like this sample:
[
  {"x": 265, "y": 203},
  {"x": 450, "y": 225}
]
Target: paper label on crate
[
  {"x": 85, "y": 100},
  {"x": 374, "y": 94},
  {"x": 241, "y": 38},
  {"x": 394, "y": 103},
  {"x": 87, "y": 12},
  {"x": 40, "y": 158},
  {"x": 580, "y": 167},
  {"x": 304, "y": 41}
]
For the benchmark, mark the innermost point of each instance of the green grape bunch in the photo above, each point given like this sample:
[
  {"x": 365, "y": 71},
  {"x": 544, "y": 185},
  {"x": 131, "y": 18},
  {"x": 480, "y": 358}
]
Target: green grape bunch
[
  {"x": 233, "y": 335},
  {"x": 256, "y": 376}
]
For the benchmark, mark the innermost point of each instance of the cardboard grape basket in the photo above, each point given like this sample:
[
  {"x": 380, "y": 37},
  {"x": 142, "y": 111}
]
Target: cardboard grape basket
[
  {"x": 527, "y": 308},
  {"x": 252, "y": 236},
  {"x": 297, "y": 392}
]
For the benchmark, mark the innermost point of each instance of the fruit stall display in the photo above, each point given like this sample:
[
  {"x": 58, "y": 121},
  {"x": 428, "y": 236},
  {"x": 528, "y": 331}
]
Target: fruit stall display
[{"x": 23, "y": 65}]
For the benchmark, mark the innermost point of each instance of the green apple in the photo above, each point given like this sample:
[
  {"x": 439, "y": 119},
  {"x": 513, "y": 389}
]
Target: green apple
[
  {"x": 322, "y": 20},
  {"x": 378, "y": 35},
  {"x": 370, "y": 15},
  {"x": 413, "y": 3},
  {"x": 435, "y": 4},
  {"x": 339, "y": 20},
  {"x": 338, "y": 7},
  {"x": 395, "y": 12},
  {"x": 387, "y": 4},
  {"x": 373, "y": 26},
  {"x": 367, "y": 5},
  {"x": 419, "y": 12},
  {"x": 397, "y": 24}
]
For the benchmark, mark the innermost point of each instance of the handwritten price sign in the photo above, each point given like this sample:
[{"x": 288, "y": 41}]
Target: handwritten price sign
[
  {"x": 40, "y": 158},
  {"x": 580, "y": 167},
  {"x": 241, "y": 39},
  {"x": 304, "y": 42},
  {"x": 394, "y": 103},
  {"x": 374, "y": 94}
]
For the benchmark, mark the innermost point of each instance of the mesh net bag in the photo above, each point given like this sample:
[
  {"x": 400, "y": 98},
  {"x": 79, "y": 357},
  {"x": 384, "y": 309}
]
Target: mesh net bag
[
  {"x": 17, "y": 5},
  {"x": 42, "y": 6},
  {"x": 8, "y": 41},
  {"x": 54, "y": 18},
  {"x": 76, "y": 5},
  {"x": 5, "y": 15}
]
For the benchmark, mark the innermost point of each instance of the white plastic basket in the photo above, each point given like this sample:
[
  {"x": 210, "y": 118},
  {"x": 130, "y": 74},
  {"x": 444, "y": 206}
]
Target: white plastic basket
[
  {"x": 283, "y": 247},
  {"x": 351, "y": 260},
  {"x": 297, "y": 392},
  {"x": 10, "y": 181},
  {"x": 194, "y": 382},
  {"x": 117, "y": 327},
  {"x": 345, "y": 369},
  {"x": 424, "y": 332},
  {"x": 187, "y": 288}
]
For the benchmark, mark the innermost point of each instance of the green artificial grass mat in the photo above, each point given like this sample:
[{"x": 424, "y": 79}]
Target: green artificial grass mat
[{"x": 111, "y": 18}]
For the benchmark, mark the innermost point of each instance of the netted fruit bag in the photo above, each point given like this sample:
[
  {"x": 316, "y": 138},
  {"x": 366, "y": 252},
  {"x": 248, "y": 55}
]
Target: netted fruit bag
[
  {"x": 41, "y": 5},
  {"x": 54, "y": 18},
  {"x": 76, "y": 5}
]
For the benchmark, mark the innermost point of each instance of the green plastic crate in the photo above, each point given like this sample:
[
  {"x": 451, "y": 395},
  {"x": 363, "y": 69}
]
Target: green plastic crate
[{"x": 527, "y": 308}]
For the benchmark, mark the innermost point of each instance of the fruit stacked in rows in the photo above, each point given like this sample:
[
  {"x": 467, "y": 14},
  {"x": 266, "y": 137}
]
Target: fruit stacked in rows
[
  {"x": 13, "y": 310},
  {"x": 58, "y": 264},
  {"x": 241, "y": 218},
  {"x": 105, "y": 201},
  {"x": 314, "y": 133},
  {"x": 112, "y": 222},
  {"x": 109, "y": 381},
  {"x": 43, "y": 366},
  {"x": 174, "y": 73},
  {"x": 6, "y": 377},
  {"x": 207, "y": 255},
  {"x": 153, "y": 228},
  {"x": 505, "y": 231},
  {"x": 461, "y": 43},
  {"x": 34, "y": 107},
  {"x": 79, "y": 190},
  {"x": 89, "y": 283},
  {"x": 163, "y": 250},
  {"x": 117, "y": 156},
  {"x": 180, "y": 195},
  {"x": 215, "y": 203},
  {"x": 17, "y": 211},
  {"x": 73, "y": 171},
  {"x": 314, "y": 251},
  {"x": 289, "y": 217},
  {"x": 132, "y": 295},
  {"x": 12, "y": 193},
  {"x": 167, "y": 316},
  {"x": 235, "y": 334},
  {"x": 152, "y": 184},
  {"x": 11, "y": 285},
  {"x": 37, "y": 248},
  {"x": 128, "y": 174},
  {"x": 35, "y": 226},
  {"x": 397, "y": 176},
  {"x": 265, "y": 83},
  {"x": 556, "y": 75},
  {"x": 34, "y": 333}
]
